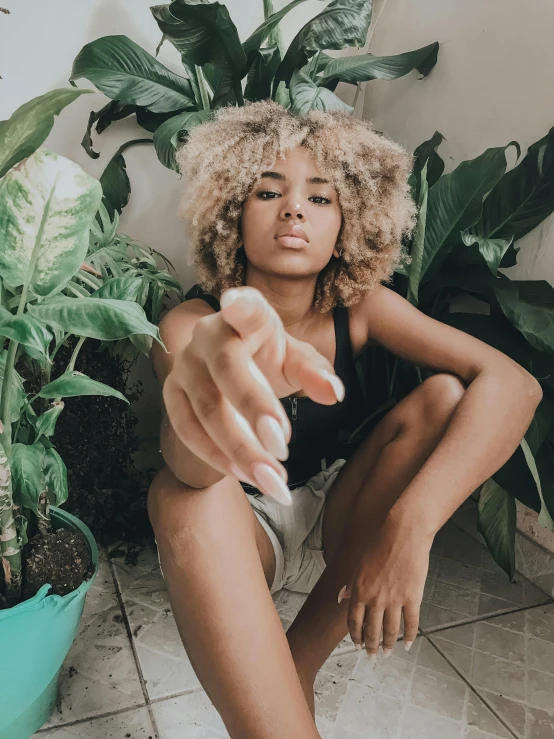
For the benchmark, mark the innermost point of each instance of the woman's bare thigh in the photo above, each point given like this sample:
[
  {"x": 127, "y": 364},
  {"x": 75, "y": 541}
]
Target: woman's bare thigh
[{"x": 169, "y": 492}]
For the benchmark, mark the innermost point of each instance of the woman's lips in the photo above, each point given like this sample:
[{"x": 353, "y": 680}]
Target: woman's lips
[{"x": 292, "y": 242}]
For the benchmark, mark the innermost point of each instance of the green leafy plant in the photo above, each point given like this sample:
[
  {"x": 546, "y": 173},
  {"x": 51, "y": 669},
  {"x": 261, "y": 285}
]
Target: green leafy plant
[
  {"x": 469, "y": 222},
  {"x": 219, "y": 70},
  {"x": 47, "y": 208}
]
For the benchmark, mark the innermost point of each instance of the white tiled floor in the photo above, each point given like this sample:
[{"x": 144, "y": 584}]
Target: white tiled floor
[{"x": 483, "y": 667}]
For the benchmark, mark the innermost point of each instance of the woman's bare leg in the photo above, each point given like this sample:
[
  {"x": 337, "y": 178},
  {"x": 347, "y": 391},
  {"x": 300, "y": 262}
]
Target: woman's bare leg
[
  {"x": 363, "y": 493},
  {"x": 207, "y": 539}
]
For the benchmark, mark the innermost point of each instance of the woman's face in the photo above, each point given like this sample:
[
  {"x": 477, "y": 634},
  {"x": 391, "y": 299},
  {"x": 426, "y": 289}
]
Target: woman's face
[{"x": 291, "y": 194}]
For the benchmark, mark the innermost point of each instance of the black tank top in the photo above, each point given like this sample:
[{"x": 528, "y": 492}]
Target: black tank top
[{"x": 315, "y": 427}]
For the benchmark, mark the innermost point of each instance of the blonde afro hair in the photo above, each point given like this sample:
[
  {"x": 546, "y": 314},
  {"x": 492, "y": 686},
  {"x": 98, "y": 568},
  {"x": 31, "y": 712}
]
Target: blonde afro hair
[{"x": 222, "y": 161}]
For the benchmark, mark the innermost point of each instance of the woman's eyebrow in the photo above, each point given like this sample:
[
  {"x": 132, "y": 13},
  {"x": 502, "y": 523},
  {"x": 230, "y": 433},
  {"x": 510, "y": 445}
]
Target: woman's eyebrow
[{"x": 309, "y": 180}]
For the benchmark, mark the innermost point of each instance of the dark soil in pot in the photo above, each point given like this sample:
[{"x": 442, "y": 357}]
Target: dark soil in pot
[{"x": 60, "y": 558}]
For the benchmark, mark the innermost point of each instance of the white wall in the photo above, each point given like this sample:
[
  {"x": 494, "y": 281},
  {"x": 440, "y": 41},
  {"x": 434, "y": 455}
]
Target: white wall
[{"x": 493, "y": 83}]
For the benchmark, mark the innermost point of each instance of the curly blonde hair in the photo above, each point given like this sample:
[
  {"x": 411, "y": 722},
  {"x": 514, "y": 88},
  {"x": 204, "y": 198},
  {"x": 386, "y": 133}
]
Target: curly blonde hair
[{"x": 222, "y": 161}]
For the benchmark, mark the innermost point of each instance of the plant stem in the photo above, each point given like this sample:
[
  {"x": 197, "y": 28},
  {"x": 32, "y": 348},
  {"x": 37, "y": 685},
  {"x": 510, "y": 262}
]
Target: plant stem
[
  {"x": 202, "y": 87},
  {"x": 9, "y": 545}
]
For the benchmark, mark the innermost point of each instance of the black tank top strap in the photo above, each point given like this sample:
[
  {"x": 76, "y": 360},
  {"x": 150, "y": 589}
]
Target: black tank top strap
[
  {"x": 197, "y": 291},
  {"x": 344, "y": 356}
]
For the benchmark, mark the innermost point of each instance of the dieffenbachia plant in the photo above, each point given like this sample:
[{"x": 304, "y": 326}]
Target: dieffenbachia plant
[{"x": 47, "y": 207}]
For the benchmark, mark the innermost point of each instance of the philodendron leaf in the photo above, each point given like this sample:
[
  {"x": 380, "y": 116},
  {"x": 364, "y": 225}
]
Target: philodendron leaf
[
  {"x": 363, "y": 67},
  {"x": 96, "y": 318},
  {"x": 536, "y": 322},
  {"x": 30, "y": 125},
  {"x": 492, "y": 250},
  {"x": 497, "y": 524},
  {"x": 73, "y": 383},
  {"x": 115, "y": 185},
  {"x": 254, "y": 42},
  {"x": 204, "y": 33},
  {"x": 167, "y": 136},
  {"x": 341, "y": 24},
  {"x": 523, "y": 197},
  {"x": 305, "y": 95},
  {"x": 26, "y": 331},
  {"x": 544, "y": 516},
  {"x": 124, "y": 71},
  {"x": 418, "y": 240},
  {"x": 456, "y": 199},
  {"x": 47, "y": 205}
]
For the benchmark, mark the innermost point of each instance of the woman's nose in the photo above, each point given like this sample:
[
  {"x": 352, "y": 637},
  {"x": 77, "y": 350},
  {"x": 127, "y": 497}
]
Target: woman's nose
[{"x": 292, "y": 207}]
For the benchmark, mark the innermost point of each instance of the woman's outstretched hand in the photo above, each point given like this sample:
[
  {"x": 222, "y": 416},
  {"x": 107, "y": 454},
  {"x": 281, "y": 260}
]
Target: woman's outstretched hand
[
  {"x": 387, "y": 583},
  {"x": 222, "y": 393}
]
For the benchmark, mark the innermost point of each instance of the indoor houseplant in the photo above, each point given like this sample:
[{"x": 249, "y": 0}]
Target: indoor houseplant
[
  {"x": 47, "y": 206},
  {"x": 219, "y": 69}
]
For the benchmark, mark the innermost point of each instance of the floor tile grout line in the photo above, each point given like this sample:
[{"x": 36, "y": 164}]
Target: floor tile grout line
[
  {"x": 473, "y": 689},
  {"x": 133, "y": 648},
  {"x": 77, "y": 721},
  {"x": 171, "y": 696},
  {"x": 487, "y": 617}
]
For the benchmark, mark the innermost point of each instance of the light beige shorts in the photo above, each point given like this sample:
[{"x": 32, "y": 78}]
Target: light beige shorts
[{"x": 296, "y": 531}]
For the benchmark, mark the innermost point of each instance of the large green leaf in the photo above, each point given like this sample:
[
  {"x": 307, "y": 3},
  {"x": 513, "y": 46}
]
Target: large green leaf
[
  {"x": 72, "y": 384},
  {"x": 45, "y": 424},
  {"x": 343, "y": 23},
  {"x": 536, "y": 322},
  {"x": 26, "y": 331},
  {"x": 544, "y": 515},
  {"x": 497, "y": 523},
  {"x": 524, "y": 197},
  {"x": 545, "y": 465},
  {"x": 426, "y": 153},
  {"x": 30, "y": 125},
  {"x": 124, "y": 71},
  {"x": 167, "y": 136},
  {"x": 492, "y": 250},
  {"x": 115, "y": 185},
  {"x": 204, "y": 33},
  {"x": 55, "y": 476},
  {"x": 499, "y": 333},
  {"x": 254, "y": 42},
  {"x": 96, "y": 318},
  {"x": 455, "y": 200},
  {"x": 47, "y": 205},
  {"x": 27, "y": 466},
  {"x": 262, "y": 70},
  {"x": 418, "y": 240},
  {"x": 354, "y": 69},
  {"x": 119, "y": 288},
  {"x": 305, "y": 95}
]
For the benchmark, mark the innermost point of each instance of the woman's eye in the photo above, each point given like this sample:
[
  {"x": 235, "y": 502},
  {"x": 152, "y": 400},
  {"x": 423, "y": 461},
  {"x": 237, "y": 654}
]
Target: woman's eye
[{"x": 272, "y": 192}]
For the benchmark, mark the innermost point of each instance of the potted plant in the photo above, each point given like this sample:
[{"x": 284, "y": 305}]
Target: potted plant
[
  {"x": 468, "y": 226},
  {"x": 49, "y": 558},
  {"x": 219, "y": 69}
]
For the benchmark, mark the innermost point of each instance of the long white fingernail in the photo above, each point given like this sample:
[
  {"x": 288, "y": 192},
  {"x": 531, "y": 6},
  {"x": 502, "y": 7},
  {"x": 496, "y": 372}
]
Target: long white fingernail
[
  {"x": 271, "y": 435},
  {"x": 342, "y": 592},
  {"x": 338, "y": 387},
  {"x": 408, "y": 645},
  {"x": 272, "y": 483}
]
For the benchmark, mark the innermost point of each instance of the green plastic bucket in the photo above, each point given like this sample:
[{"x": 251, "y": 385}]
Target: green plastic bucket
[{"x": 35, "y": 637}]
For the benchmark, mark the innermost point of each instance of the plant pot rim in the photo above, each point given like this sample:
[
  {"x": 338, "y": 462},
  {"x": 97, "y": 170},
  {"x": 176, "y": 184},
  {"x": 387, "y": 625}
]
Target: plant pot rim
[{"x": 36, "y": 602}]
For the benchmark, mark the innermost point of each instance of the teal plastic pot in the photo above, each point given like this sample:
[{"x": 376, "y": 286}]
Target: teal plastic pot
[{"x": 35, "y": 637}]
